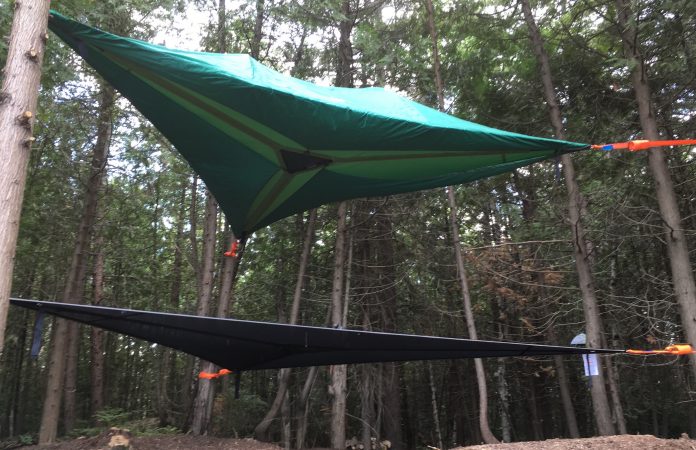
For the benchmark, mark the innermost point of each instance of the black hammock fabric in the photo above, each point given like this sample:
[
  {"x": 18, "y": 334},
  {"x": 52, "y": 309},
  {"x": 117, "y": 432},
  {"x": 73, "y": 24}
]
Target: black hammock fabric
[{"x": 246, "y": 345}]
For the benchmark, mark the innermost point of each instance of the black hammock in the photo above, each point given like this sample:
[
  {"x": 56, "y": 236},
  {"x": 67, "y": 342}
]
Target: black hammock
[{"x": 242, "y": 345}]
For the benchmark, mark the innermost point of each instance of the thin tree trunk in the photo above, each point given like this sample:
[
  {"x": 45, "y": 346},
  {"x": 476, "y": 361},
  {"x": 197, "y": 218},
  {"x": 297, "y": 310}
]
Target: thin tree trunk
[
  {"x": 436, "y": 410},
  {"x": 566, "y": 400},
  {"x": 302, "y": 407},
  {"x": 337, "y": 388},
  {"x": 439, "y": 87},
  {"x": 592, "y": 319},
  {"x": 366, "y": 404},
  {"x": 255, "y": 47},
  {"x": 503, "y": 395},
  {"x": 18, "y": 101},
  {"x": 62, "y": 372},
  {"x": 677, "y": 247},
  {"x": 486, "y": 433},
  {"x": 261, "y": 430},
  {"x": 203, "y": 401},
  {"x": 612, "y": 370},
  {"x": 338, "y": 373},
  {"x": 386, "y": 279},
  {"x": 174, "y": 296},
  {"x": 286, "y": 424},
  {"x": 84, "y": 237},
  {"x": 534, "y": 420},
  {"x": 97, "y": 334}
]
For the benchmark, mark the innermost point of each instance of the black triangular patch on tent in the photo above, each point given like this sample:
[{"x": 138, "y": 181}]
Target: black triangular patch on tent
[{"x": 299, "y": 162}]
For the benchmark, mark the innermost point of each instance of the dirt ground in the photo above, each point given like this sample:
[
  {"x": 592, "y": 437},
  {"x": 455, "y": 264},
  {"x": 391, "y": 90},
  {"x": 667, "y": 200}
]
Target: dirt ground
[
  {"x": 109, "y": 441},
  {"x": 626, "y": 442},
  {"x": 186, "y": 442}
]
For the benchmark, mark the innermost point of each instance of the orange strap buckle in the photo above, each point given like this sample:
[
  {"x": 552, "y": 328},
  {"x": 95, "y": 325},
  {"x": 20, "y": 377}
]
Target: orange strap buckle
[
  {"x": 674, "y": 349},
  {"x": 232, "y": 252},
  {"x": 210, "y": 376}
]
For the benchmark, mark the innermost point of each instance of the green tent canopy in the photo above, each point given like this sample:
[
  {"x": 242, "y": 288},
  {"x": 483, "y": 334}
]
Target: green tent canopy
[{"x": 268, "y": 145}]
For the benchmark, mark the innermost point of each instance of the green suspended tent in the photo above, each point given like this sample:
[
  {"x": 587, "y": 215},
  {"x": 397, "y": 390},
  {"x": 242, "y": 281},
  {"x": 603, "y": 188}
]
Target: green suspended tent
[{"x": 268, "y": 145}]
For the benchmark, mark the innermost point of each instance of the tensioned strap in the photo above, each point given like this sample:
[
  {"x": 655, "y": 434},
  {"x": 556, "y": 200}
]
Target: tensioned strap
[
  {"x": 638, "y": 145},
  {"x": 675, "y": 349}
]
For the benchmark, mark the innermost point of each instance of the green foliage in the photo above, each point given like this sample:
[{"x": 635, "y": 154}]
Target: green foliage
[
  {"x": 120, "y": 418},
  {"x": 112, "y": 417},
  {"x": 241, "y": 415}
]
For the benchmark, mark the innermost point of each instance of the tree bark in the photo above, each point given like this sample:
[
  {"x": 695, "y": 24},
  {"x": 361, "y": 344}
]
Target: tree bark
[
  {"x": 261, "y": 430},
  {"x": 592, "y": 319},
  {"x": 677, "y": 247},
  {"x": 174, "y": 296},
  {"x": 18, "y": 101},
  {"x": 486, "y": 433},
  {"x": 97, "y": 334},
  {"x": 84, "y": 237},
  {"x": 436, "y": 410},
  {"x": 338, "y": 373},
  {"x": 301, "y": 416},
  {"x": 62, "y": 372},
  {"x": 255, "y": 47},
  {"x": 385, "y": 271},
  {"x": 439, "y": 87},
  {"x": 202, "y": 403}
]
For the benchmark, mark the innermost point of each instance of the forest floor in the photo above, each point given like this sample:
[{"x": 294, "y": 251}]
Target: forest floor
[
  {"x": 185, "y": 442},
  {"x": 624, "y": 442}
]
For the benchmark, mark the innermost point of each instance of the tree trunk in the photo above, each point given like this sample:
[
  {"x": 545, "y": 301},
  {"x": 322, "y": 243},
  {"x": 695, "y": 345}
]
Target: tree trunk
[
  {"x": 97, "y": 334},
  {"x": 202, "y": 403},
  {"x": 486, "y": 433},
  {"x": 62, "y": 372},
  {"x": 338, "y": 373},
  {"x": 585, "y": 279},
  {"x": 387, "y": 298},
  {"x": 367, "y": 399},
  {"x": 261, "y": 430},
  {"x": 89, "y": 216},
  {"x": 439, "y": 87},
  {"x": 503, "y": 395},
  {"x": 337, "y": 387},
  {"x": 436, "y": 410},
  {"x": 302, "y": 407},
  {"x": 255, "y": 47},
  {"x": 534, "y": 419},
  {"x": 677, "y": 248},
  {"x": 174, "y": 296},
  {"x": 18, "y": 100},
  {"x": 286, "y": 424},
  {"x": 612, "y": 370}
]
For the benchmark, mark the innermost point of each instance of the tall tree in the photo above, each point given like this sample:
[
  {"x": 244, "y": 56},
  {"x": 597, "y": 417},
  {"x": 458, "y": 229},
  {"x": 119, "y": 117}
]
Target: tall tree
[
  {"x": 261, "y": 430},
  {"x": 486, "y": 432},
  {"x": 593, "y": 324},
  {"x": 338, "y": 373},
  {"x": 675, "y": 238},
  {"x": 202, "y": 403},
  {"x": 97, "y": 334},
  {"x": 63, "y": 360},
  {"x": 18, "y": 101}
]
